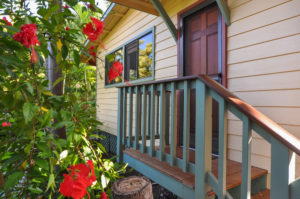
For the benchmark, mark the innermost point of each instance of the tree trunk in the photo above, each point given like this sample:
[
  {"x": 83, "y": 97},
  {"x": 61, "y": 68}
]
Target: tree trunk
[
  {"x": 55, "y": 72},
  {"x": 134, "y": 187}
]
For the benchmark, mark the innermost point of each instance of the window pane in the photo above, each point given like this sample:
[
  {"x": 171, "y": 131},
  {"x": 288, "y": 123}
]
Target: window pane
[
  {"x": 132, "y": 57},
  {"x": 145, "y": 56},
  {"x": 115, "y": 56}
]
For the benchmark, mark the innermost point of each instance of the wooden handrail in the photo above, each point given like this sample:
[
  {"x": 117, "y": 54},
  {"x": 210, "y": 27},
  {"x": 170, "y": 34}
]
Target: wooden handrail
[{"x": 285, "y": 137}]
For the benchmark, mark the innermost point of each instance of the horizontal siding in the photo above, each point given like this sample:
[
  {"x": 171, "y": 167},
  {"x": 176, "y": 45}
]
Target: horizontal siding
[
  {"x": 132, "y": 24},
  {"x": 278, "y": 64},
  {"x": 264, "y": 69},
  {"x": 281, "y": 12}
]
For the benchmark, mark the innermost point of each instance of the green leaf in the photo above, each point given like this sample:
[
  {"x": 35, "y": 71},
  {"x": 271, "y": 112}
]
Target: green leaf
[
  {"x": 28, "y": 111},
  {"x": 42, "y": 163},
  {"x": 13, "y": 179},
  {"x": 36, "y": 190},
  {"x": 64, "y": 51},
  {"x": 51, "y": 181},
  {"x": 57, "y": 81},
  {"x": 47, "y": 119},
  {"x": 50, "y": 11},
  {"x": 76, "y": 57},
  {"x": 62, "y": 124},
  {"x": 29, "y": 87}
]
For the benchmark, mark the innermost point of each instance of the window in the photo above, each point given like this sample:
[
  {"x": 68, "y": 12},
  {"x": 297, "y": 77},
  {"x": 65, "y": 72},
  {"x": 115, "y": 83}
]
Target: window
[
  {"x": 138, "y": 60},
  {"x": 117, "y": 55}
]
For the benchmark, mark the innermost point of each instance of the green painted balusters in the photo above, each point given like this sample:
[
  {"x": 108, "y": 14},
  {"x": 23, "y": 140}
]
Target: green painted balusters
[
  {"x": 144, "y": 119},
  {"x": 157, "y": 114},
  {"x": 152, "y": 121},
  {"x": 137, "y": 118},
  {"x": 279, "y": 170},
  {"x": 186, "y": 126},
  {"x": 124, "y": 121},
  {"x": 162, "y": 121},
  {"x": 173, "y": 124},
  {"x": 148, "y": 113},
  {"x": 120, "y": 120},
  {"x": 203, "y": 139},
  {"x": 130, "y": 117},
  {"x": 222, "y": 149},
  {"x": 246, "y": 158}
]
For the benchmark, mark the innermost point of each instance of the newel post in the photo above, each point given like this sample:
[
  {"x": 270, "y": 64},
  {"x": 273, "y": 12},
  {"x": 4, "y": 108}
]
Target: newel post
[
  {"x": 203, "y": 139},
  {"x": 119, "y": 127}
]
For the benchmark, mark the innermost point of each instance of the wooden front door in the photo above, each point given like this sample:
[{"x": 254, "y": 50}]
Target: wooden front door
[{"x": 200, "y": 54}]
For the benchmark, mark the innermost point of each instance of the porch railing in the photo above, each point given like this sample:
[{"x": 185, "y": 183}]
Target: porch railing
[{"x": 147, "y": 122}]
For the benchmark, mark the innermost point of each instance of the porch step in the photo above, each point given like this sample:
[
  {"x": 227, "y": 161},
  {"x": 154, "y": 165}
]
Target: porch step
[
  {"x": 233, "y": 171},
  {"x": 265, "y": 194}
]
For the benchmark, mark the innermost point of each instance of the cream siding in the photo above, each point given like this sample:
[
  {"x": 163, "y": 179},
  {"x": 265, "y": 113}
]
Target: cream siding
[
  {"x": 263, "y": 64},
  {"x": 133, "y": 24},
  {"x": 264, "y": 68}
]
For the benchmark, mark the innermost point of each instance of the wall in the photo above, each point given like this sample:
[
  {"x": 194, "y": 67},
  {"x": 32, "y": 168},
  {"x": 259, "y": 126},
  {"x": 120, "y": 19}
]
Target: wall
[
  {"x": 263, "y": 64},
  {"x": 131, "y": 25},
  {"x": 264, "y": 68}
]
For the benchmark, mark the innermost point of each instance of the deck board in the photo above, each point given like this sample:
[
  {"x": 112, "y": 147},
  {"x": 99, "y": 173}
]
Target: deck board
[{"x": 234, "y": 170}]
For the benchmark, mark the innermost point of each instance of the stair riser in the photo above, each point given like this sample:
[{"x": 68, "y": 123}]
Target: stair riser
[{"x": 257, "y": 185}]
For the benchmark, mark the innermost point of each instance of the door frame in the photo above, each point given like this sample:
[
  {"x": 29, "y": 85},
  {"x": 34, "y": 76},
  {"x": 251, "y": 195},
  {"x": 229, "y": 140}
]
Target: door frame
[
  {"x": 222, "y": 36},
  {"x": 222, "y": 46}
]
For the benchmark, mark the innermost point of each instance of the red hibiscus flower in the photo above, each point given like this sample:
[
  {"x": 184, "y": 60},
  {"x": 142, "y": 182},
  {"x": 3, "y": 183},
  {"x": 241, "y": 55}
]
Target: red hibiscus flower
[
  {"x": 27, "y": 36},
  {"x": 115, "y": 71},
  {"x": 92, "y": 52},
  {"x": 67, "y": 28},
  {"x": 103, "y": 196},
  {"x": 7, "y": 22},
  {"x": 81, "y": 176},
  {"x": 6, "y": 124},
  {"x": 91, "y": 32}
]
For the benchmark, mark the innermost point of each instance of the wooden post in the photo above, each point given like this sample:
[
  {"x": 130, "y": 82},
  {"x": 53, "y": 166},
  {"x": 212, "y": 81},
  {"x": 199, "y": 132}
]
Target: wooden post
[{"x": 134, "y": 187}]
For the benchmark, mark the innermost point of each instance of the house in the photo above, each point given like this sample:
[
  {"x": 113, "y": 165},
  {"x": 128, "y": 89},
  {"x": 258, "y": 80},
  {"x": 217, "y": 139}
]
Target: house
[{"x": 174, "y": 52}]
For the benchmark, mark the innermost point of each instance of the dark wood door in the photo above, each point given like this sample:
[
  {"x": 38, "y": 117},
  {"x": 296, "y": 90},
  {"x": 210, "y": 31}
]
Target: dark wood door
[{"x": 201, "y": 57}]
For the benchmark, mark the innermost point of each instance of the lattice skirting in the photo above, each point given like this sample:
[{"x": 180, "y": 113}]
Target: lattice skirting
[{"x": 109, "y": 142}]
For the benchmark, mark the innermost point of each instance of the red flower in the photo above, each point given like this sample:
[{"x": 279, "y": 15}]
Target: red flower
[
  {"x": 115, "y": 71},
  {"x": 67, "y": 28},
  {"x": 27, "y": 36},
  {"x": 91, "y": 32},
  {"x": 66, "y": 6},
  {"x": 80, "y": 178},
  {"x": 92, "y": 52},
  {"x": 7, "y": 22},
  {"x": 6, "y": 124},
  {"x": 103, "y": 196},
  {"x": 34, "y": 57}
]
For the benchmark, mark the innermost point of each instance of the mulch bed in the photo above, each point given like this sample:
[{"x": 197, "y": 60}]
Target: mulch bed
[{"x": 159, "y": 192}]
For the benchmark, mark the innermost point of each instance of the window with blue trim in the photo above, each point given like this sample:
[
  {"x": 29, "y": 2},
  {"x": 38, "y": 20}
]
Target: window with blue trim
[{"x": 137, "y": 58}]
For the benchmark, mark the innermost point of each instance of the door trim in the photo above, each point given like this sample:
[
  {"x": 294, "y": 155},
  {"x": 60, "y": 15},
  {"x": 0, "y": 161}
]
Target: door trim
[{"x": 222, "y": 36}]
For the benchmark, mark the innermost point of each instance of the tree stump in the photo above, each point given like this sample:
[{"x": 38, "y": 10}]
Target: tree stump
[{"x": 134, "y": 187}]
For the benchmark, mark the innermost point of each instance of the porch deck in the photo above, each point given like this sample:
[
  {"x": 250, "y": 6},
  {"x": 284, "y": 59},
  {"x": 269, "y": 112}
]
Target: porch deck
[
  {"x": 233, "y": 170},
  {"x": 195, "y": 174}
]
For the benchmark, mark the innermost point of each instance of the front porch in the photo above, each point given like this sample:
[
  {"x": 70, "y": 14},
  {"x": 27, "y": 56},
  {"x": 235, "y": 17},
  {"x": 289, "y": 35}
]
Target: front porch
[{"x": 147, "y": 140}]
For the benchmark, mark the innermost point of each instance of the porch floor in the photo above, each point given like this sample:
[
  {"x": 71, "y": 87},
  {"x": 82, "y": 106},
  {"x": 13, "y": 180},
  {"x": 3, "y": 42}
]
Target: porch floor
[{"x": 233, "y": 171}]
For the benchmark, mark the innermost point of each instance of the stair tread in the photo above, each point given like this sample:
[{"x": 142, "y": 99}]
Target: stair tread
[
  {"x": 265, "y": 194},
  {"x": 234, "y": 169}
]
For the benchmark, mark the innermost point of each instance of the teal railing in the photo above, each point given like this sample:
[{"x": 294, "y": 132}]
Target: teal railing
[{"x": 147, "y": 121}]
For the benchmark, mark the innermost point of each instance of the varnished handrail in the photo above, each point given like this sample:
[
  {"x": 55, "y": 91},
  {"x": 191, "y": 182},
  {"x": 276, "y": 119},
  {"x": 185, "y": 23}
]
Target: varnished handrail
[{"x": 285, "y": 137}]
